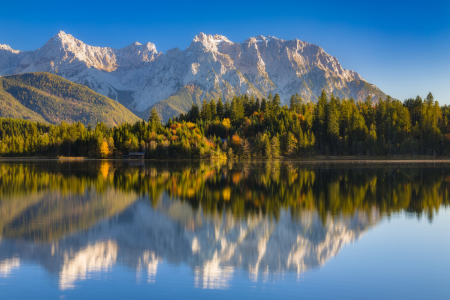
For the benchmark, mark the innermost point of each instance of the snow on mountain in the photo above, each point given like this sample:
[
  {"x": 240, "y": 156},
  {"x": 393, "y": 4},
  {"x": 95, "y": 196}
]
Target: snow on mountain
[{"x": 212, "y": 66}]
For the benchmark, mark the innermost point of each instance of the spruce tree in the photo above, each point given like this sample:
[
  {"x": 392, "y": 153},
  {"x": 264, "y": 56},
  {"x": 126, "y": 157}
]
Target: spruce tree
[
  {"x": 276, "y": 103},
  {"x": 263, "y": 105},
  {"x": 154, "y": 121},
  {"x": 219, "y": 109},
  {"x": 257, "y": 105},
  {"x": 212, "y": 108},
  {"x": 292, "y": 104},
  {"x": 333, "y": 124},
  {"x": 194, "y": 113},
  {"x": 319, "y": 120},
  {"x": 227, "y": 109},
  {"x": 205, "y": 112}
]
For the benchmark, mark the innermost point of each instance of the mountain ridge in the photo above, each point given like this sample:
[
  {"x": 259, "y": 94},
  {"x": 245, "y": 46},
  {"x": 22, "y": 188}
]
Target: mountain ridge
[
  {"x": 48, "y": 98},
  {"x": 140, "y": 77}
]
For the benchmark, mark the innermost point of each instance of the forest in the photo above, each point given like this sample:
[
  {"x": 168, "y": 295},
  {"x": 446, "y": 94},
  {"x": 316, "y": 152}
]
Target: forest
[{"x": 247, "y": 127}]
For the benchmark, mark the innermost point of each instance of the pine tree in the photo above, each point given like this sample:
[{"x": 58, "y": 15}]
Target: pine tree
[
  {"x": 292, "y": 103},
  {"x": 212, "y": 108},
  {"x": 194, "y": 113},
  {"x": 276, "y": 103},
  {"x": 237, "y": 110},
  {"x": 319, "y": 124},
  {"x": 205, "y": 112},
  {"x": 219, "y": 109},
  {"x": 227, "y": 109},
  {"x": 263, "y": 105},
  {"x": 333, "y": 124},
  {"x": 257, "y": 105},
  {"x": 154, "y": 121}
]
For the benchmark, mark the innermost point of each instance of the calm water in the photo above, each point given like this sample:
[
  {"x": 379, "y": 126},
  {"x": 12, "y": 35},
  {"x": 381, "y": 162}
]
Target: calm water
[{"x": 177, "y": 230}]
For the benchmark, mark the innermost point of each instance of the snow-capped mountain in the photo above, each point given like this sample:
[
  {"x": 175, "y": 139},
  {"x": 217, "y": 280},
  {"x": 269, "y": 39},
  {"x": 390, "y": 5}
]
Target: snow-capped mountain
[{"x": 212, "y": 66}]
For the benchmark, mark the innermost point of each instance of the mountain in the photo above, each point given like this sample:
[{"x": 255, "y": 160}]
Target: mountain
[
  {"x": 139, "y": 77},
  {"x": 48, "y": 98}
]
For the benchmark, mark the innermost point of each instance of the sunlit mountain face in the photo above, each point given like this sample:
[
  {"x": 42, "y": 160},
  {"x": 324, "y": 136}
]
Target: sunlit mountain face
[{"x": 265, "y": 219}]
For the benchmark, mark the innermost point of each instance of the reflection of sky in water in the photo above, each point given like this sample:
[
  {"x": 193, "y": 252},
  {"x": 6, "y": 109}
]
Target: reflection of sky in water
[
  {"x": 213, "y": 247},
  {"x": 401, "y": 258},
  {"x": 114, "y": 244},
  {"x": 7, "y": 265}
]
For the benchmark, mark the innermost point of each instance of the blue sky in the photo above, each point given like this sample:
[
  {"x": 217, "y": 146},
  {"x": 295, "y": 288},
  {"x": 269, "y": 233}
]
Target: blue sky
[{"x": 403, "y": 47}]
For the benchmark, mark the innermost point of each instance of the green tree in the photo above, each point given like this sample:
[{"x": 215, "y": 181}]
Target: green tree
[
  {"x": 275, "y": 146},
  {"x": 154, "y": 121},
  {"x": 219, "y": 109},
  {"x": 332, "y": 116}
]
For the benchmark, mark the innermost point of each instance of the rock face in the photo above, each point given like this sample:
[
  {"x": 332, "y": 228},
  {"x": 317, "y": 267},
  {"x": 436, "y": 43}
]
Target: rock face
[{"x": 212, "y": 66}]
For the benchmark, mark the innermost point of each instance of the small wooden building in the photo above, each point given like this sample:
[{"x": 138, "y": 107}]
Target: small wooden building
[{"x": 134, "y": 155}]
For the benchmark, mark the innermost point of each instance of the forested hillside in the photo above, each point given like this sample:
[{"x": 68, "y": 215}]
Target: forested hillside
[
  {"x": 247, "y": 127},
  {"x": 48, "y": 98}
]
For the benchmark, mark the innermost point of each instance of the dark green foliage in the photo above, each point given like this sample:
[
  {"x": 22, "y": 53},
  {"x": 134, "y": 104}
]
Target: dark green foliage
[
  {"x": 334, "y": 127},
  {"x": 219, "y": 109}
]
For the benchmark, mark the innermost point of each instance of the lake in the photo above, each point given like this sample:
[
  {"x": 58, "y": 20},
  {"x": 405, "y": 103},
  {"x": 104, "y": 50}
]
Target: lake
[{"x": 239, "y": 230}]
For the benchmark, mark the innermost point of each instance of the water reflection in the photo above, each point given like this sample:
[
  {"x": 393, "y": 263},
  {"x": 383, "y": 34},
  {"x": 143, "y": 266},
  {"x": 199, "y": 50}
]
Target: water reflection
[
  {"x": 7, "y": 265},
  {"x": 81, "y": 219}
]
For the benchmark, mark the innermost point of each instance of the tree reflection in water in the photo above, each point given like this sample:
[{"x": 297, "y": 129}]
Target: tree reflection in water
[{"x": 79, "y": 218}]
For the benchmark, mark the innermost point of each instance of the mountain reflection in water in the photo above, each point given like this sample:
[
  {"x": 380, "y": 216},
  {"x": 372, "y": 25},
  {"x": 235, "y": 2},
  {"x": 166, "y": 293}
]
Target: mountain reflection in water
[{"x": 80, "y": 218}]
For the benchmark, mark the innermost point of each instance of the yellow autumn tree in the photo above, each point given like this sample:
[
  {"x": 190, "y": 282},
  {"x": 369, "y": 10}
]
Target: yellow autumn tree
[
  {"x": 190, "y": 125},
  {"x": 226, "y": 123},
  {"x": 104, "y": 149}
]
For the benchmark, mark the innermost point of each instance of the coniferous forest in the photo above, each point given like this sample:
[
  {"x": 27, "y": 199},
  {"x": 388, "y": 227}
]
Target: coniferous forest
[{"x": 247, "y": 127}]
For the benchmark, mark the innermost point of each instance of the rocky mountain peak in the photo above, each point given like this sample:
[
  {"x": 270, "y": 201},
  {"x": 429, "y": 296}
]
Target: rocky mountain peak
[
  {"x": 8, "y": 48},
  {"x": 135, "y": 54},
  {"x": 141, "y": 47},
  {"x": 220, "y": 38},
  {"x": 208, "y": 42},
  {"x": 214, "y": 65},
  {"x": 260, "y": 39},
  {"x": 63, "y": 38}
]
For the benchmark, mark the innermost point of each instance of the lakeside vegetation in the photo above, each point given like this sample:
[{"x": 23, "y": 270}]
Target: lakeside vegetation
[{"x": 247, "y": 127}]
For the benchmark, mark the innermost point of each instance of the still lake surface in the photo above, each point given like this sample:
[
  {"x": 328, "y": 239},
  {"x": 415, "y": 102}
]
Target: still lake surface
[{"x": 202, "y": 230}]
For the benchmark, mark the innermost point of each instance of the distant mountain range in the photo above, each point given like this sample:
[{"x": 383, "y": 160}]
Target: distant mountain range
[
  {"x": 139, "y": 77},
  {"x": 48, "y": 98}
]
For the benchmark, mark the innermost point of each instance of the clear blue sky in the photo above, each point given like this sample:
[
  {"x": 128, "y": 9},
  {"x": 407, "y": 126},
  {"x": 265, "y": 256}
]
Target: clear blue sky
[{"x": 403, "y": 47}]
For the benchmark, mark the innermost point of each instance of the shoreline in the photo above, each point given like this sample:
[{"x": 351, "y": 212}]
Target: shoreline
[{"x": 311, "y": 160}]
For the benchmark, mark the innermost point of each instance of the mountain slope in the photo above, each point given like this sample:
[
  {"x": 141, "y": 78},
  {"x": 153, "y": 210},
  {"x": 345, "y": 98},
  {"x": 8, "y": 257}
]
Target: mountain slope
[
  {"x": 48, "y": 98},
  {"x": 212, "y": 66}
]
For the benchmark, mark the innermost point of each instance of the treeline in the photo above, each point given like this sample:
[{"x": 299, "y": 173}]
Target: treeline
[
  {"x": 247, "y": 127},
  {"x": 332, "y": 126}
]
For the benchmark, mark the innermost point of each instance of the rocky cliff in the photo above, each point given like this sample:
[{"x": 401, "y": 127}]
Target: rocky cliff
[{"x": 212, "y": 66}]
